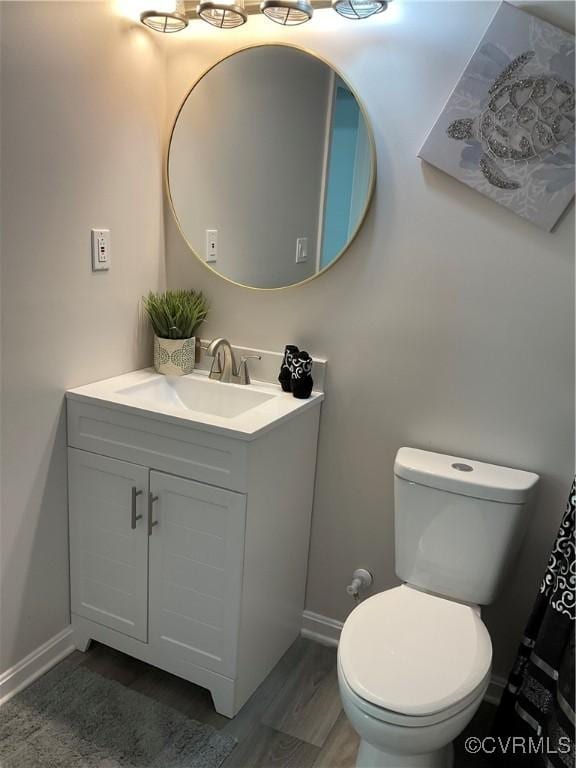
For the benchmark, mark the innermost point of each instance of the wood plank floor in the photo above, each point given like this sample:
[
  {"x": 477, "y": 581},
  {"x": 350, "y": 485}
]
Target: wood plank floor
[{"x": 294, "y": 720}]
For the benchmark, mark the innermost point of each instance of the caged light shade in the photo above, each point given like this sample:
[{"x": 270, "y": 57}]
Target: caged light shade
[
  {"x": 289, "y": 13},
  {"x": 166, "y": 16},
  {"x": 222, "y": 14},
  {"x": 359, "y": 9}
]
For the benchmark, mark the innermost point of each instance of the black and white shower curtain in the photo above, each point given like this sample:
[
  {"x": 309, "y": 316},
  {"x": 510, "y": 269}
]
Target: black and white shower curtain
[{"x": 537, "y": 706}]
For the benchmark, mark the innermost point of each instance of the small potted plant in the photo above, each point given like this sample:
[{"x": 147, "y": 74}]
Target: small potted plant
[{"x": 175, "y": 318}]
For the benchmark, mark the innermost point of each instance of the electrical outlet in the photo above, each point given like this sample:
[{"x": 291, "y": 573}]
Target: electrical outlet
[{"x": 100, "y": 250}]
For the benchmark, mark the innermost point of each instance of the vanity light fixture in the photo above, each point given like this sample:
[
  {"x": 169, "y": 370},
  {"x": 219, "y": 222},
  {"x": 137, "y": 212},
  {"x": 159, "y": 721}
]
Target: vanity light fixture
[
  {"x": 174, "y": 15},
  {"x": 169, "y": 19},
  {"x": 222, "y": 14},
  {"x": 287, "y": 12},
  {"x": 359, "y": 9}
]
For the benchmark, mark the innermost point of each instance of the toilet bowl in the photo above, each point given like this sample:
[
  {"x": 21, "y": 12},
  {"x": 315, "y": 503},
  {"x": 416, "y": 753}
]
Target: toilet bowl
[{"x": 412, "y": 669}]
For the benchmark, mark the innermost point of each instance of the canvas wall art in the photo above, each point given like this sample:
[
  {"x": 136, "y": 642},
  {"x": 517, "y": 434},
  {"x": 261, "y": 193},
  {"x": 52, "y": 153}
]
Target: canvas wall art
[{"x": 507, "y": 130}]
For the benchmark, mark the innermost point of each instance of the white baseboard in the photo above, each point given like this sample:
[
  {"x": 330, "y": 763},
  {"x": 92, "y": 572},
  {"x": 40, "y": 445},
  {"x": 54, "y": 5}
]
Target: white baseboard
[
  {"x": 324, "y": 630},
  {"x": 321, "y": 628},
  {"x": 35, "y": 664}
]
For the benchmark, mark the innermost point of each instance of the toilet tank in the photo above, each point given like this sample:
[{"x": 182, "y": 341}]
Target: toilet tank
[{"x": 458, "y": 523}]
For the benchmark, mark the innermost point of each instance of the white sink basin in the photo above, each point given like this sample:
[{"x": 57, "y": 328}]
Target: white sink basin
[
  {"x": 197, "y": 393},
  {"x": 242, "y": 411}
]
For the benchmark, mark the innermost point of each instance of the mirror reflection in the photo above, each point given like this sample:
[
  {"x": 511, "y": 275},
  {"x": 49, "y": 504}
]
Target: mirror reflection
[{"x": 270, "y": 167}]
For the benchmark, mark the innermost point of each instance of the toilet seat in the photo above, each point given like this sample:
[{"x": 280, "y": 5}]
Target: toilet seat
[
  {"x": 410, "y": 656},
  {"x": 408, "y": 721}
]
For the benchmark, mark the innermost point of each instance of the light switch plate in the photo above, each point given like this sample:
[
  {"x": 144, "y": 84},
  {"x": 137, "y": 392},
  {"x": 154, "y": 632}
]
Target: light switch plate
[
  {"x": 211, "y": 245},
  {"x": 100, "y": 250},
  {"x": 301, "y": 250}
]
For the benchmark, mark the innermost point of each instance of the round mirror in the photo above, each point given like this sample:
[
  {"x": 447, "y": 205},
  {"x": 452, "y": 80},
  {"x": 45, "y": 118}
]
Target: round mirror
[{"x": 271, "y": 167}]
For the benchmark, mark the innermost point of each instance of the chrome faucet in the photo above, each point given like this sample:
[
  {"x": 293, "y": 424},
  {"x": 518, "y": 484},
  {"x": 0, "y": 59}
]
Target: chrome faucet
[{"x": 224, "y": 366}]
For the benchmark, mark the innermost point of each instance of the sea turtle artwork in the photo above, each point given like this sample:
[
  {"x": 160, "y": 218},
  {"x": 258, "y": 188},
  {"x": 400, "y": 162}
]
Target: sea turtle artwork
[
  {"x": 526, "y": 118},
  {"x": 507, "y": 130}
]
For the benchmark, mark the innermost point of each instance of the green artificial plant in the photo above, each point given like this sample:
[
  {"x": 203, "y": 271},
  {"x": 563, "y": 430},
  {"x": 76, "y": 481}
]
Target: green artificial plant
[{"x": 176, "y": 314}]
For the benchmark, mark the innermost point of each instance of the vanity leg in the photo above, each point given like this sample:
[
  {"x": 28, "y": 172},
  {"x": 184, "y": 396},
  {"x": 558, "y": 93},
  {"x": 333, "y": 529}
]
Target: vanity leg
[
  {"x": 80, "y": 638},
  {"x": 223, "y": 698}
]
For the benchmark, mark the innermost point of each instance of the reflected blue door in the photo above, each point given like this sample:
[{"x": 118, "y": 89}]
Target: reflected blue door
[{"x": 348, "y": 173}]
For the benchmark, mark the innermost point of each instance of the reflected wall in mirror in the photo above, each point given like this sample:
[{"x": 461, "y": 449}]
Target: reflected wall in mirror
[{"x": 271, "y": 151}]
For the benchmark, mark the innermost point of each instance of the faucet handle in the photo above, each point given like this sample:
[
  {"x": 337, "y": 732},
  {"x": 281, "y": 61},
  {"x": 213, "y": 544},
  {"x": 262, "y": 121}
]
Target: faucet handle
[{"x": 243, "y": 374}]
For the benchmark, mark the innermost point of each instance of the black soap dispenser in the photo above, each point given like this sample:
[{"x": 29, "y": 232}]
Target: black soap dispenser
[
  {"x": 302, "y": 381},
  {"x": 285, "y": 375}
]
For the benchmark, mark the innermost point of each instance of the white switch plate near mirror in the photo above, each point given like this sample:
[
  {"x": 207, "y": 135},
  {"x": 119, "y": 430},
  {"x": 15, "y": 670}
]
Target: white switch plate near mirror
[
  {"x": 211, "y": 245},
  {"x": 301, "y": 250}
]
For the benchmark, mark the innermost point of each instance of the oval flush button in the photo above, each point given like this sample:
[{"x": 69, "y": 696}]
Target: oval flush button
[{"x": 462, "y": 467}]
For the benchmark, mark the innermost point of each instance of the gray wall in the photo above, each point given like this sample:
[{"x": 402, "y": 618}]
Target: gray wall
[
  {"x": 247, "y": 159},
  {"x": 448, "y": 325},
  {"x": 82, "y": 100}
]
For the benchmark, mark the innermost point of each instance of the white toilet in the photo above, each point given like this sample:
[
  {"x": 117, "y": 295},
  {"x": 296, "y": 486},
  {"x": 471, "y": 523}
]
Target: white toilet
[{"x": 414, "y": 662}]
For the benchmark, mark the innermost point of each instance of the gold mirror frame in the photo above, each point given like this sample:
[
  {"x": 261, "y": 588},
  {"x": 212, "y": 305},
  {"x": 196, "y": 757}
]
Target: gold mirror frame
[{"x": 371, "y": 185}]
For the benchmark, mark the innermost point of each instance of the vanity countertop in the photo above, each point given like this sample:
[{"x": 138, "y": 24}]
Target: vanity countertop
[{"x": 240, "y": 411}]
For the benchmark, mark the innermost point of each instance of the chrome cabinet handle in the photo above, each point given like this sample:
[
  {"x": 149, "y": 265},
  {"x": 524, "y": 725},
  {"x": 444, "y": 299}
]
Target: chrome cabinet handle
[
  {"x": 151, "y": 523},
  {"x": 133, "y": 516}
]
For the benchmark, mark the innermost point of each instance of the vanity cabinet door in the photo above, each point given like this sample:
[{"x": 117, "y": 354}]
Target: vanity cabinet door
[
  {"x": 109, "y": 542},
  {"x": 196, "y": 565}
]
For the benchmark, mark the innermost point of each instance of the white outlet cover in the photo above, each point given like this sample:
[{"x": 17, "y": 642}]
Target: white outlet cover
[{"x": 100, "y": 250}]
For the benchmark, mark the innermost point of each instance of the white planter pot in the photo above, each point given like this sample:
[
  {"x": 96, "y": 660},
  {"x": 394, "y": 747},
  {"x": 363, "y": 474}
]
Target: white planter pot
[{"x": 174, "y": 357}]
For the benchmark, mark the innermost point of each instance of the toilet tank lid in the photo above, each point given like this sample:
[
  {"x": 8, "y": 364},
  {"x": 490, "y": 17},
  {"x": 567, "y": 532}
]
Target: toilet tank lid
[{"x": 464, "y": 476}]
